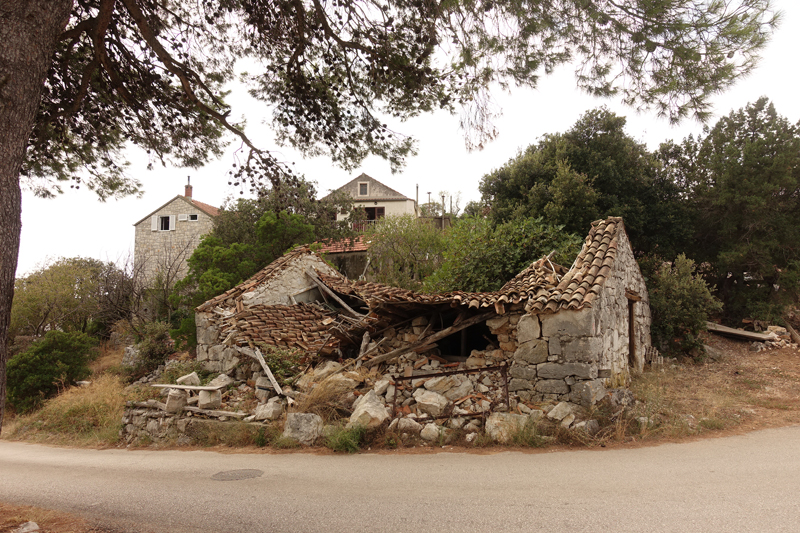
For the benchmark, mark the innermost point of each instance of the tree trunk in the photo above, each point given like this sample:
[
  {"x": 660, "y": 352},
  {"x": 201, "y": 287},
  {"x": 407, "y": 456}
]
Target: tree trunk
[{"x": 29, "y": 31}]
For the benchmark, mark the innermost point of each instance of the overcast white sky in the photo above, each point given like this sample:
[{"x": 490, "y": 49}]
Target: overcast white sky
[{"x": 76, "y": 224}]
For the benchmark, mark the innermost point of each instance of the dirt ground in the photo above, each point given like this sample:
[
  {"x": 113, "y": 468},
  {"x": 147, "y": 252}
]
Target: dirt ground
[{"x": 744, "y": 391}]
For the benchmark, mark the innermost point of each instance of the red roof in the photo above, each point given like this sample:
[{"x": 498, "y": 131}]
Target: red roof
[
  {"x": 346, "y": 245},
  {"x": 207, "y": 209}
]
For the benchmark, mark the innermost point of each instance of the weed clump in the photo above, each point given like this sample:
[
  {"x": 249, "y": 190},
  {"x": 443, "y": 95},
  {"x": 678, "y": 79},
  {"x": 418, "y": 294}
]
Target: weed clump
[{"x": 347, "y": 440}]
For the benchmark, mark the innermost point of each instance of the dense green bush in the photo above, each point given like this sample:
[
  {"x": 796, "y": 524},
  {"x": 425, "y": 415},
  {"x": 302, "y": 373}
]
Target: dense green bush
[
  {"x": 680, "y": 301},
  {"x": 55, "y": 361},
  {"x": 480, "y": 256},
  {"x": 155, "y": 345}
]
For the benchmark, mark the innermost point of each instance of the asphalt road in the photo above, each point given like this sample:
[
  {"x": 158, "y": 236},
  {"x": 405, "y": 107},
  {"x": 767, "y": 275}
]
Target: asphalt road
[{"x": 743, "y": 483}]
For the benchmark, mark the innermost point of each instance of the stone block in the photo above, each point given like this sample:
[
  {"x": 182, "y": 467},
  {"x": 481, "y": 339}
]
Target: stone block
[
  {"x": 560, "y": 411},
  {"x": 176, "y": 400},
  {"x": 528, "y": 328},
  {"x": 208, "y": 335},
  {"x": 382, "y": 386},
  {"x": 215, "y": 352},
  {"x": 585, "y": 349},
  {"x": 370, "y": 412},
  {"x": 228, "y": 364},
  {"x": 517, "y": 384},
  {"x": 532, "y": 352},
  {"x": 409, "y": 426},
  {"x": 209, "y": 399},
  {"x": 201, "y": 320},
  {"x": 497, "y": 322},
  {"x": 212, "y": 366},
  {"x": 223, "y": 380},
  {"x": 552, "y": 386},
  {"x": 431, "y": 402},
  {"x": 305, "y": 428},
  {"x": 588, "y": 393},
  {"x": 189, "y": 379},
  {"x": 272, "y": 410},
  {"x": 443, "y": 384},
  {"x": 563, "y": 370},
  {"x": 420, "y": 321},
  {"x": 474, "y": 361},
  {"x": 508, "y": 346},
  {"x": 568, "y": 323},
  {"x": 554, "y": 346},
  {"x": 522, "y": 371},
  {"x": 202, "y": 352},
  {"x": 501, "y": 427},
  {"x": 431, "y": 432}
]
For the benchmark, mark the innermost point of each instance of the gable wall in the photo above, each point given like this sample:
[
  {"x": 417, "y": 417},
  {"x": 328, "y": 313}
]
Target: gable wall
[
  {"x": 156, "y": 250},
  {"x": 611, "y": 312}
]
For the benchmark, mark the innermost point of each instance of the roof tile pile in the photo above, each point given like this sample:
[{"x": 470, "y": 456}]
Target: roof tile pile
[{"x": 293, "y": 326}]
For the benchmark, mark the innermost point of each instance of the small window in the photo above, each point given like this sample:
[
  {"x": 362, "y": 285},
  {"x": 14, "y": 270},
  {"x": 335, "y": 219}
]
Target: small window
[
  {"x": 363, "y": 189},
  {"x": 192, "y": 217},
  {"x": 163, "y": 223},
  {"x": 183, "y": 218}
]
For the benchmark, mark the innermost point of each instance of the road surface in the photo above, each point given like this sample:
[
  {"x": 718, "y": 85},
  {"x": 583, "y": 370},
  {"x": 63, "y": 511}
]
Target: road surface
[{"x": 742, "y": 483}]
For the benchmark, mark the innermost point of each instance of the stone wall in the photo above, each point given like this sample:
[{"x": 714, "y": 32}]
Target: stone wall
[
  {"x": 157, "y": 250},
  {"x": 289, "y": 282},
  {"x": 611, "y": 313}
]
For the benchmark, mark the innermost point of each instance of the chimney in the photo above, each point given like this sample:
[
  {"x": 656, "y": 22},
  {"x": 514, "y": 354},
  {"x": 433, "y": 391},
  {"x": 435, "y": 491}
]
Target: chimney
[{"x": 188, "y": 190}]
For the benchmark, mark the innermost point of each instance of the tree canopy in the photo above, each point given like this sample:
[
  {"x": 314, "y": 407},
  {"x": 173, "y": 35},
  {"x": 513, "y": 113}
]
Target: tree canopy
[
  {"x": 592, "y": 171},
  {"x": 742, "y": 183}
]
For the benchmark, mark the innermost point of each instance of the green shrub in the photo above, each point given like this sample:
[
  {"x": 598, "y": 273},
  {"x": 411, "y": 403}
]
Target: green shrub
[
  {"x": 55, "y": 361},
  {"x": 284, "y": 363},
  {"x": 680, "y": 302},
  {"x": 154, "y": 347},
  {"x": 346, "y": 439}
]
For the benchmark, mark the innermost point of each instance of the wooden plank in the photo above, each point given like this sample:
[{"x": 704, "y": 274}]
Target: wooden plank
[
  {"x": 267, "y": 371},
  {"x": 439, "y": 335},
  {"x": 214, "y": 413},
  {"x": 310, "y": 273},
  {"x": 792, "y": 332},
  {"x": 738, "y": 333},
  {"x": 188, "y": 387}
]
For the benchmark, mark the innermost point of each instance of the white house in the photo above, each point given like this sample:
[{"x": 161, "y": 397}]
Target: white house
[{"x": 377, "y": 199}]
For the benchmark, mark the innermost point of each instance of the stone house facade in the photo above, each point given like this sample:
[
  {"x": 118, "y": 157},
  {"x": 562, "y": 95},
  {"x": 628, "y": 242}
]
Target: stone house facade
[
  {"x": 558, "y": 334},
  {"x": 377, "y": 200},
  {"x": 165, "y": 238}
]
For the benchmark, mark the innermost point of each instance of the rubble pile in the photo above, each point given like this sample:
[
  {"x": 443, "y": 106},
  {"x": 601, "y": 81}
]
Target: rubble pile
[{"x": 782, "y": 340}]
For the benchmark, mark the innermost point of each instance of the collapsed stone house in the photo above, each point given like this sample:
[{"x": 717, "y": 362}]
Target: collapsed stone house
[{"x": 550, "y": 334}]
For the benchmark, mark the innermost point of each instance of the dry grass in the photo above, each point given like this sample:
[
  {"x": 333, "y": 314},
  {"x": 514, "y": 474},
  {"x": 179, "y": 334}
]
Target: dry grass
[
  {"x": 325, "y": 400},
  {"x": 110, "y": 359},
  {"x": 81, "y": 416}
]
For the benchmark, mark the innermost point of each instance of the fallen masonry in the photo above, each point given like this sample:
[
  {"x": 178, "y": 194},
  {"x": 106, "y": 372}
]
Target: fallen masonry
[{"x": 552, "y": 339}]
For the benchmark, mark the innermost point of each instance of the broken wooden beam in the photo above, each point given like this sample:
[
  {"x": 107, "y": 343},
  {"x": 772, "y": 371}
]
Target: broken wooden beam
[
  {"x": 740, "y": 334},
  {"x": 209, "y": 412},
  {"x": 268, "y": 372},
  {"x": 324, "y": 288},
  {"x": 792, "y": 332},
  {"x": 188, "y": 387},
  {"x": 432, "y": 338}
]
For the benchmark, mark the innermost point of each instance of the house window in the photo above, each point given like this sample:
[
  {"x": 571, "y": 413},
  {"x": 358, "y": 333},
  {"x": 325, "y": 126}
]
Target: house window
[
  {"x": 163, "y": 223},
  {"x": 375, "y": 213},
  {"x": 363, "y": 189},
  {"x": 192, "y": 217}
]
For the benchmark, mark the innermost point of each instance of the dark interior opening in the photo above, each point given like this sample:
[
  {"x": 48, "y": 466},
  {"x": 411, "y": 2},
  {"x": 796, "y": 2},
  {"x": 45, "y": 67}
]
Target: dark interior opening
[
  {"x": 458, "y": 346},
  {"x": 631, "y": 334}
]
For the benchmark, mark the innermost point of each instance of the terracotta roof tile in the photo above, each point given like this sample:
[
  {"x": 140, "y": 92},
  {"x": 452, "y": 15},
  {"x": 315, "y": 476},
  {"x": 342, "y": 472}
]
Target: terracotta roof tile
[
  {"x": 207, "y": 209},
  {"x": 345, "y": 245},
  {"x": 291, "y": 326}
]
